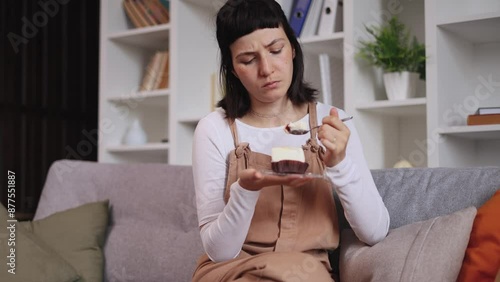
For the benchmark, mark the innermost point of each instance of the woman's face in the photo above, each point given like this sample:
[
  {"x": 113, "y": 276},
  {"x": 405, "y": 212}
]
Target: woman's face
[{"x": 263, "y": 62}]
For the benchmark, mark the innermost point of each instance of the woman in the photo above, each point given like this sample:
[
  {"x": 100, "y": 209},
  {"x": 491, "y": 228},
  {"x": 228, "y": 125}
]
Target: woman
[{"x": 257, "y": 226}]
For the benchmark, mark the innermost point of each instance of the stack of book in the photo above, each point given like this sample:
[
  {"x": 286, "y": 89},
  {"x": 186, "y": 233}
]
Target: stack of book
[
  {"x": 156, "y": 75},
  {"x": 486, "y": 115},
  {"x": 144, "y": 13}
]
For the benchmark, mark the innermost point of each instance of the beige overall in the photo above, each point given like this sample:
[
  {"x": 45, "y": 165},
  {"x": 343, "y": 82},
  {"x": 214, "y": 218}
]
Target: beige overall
[{"x": 291, "y": 228}]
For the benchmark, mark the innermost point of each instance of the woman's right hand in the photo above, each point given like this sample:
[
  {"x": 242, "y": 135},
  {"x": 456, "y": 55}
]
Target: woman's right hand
[{"x": 254, "y": 180}]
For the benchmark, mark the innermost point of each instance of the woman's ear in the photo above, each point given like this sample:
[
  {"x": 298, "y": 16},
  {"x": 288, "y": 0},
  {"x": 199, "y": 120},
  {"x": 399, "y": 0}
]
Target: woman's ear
[{"x": 293, "y": 53}]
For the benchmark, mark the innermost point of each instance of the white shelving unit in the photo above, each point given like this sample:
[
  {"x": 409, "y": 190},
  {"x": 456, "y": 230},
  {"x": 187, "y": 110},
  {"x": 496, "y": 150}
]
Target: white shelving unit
[
  {"x": 463, "y": 49},
  {"x": 167, "y": 115},
  {"x": 464, "y": 74},
  {"x": 389, "y": 130}
]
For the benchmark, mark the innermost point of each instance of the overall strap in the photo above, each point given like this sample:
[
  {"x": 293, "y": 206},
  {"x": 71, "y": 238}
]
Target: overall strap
[
  {"x": 313, "y": 121},
  {"x": 234, "y": 132}
]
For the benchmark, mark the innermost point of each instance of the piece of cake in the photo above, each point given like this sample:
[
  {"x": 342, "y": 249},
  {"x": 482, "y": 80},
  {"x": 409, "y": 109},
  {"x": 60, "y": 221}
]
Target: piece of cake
[
  {"x": 298, "y": 127},
  {"x": 288, "y": 160}
]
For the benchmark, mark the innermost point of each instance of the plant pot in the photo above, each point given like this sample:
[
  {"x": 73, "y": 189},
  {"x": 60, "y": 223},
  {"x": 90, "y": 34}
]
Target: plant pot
[{"x": 400, "y": 85}]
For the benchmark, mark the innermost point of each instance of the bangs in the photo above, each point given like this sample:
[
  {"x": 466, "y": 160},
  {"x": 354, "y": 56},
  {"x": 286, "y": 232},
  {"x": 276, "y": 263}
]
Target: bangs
[{"x": 248, "y": 16}]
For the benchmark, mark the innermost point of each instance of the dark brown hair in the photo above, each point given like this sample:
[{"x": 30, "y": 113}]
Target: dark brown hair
[{"x": 238, "y": 18}]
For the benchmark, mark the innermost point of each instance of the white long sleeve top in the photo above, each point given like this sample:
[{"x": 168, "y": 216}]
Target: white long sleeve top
[{"x": 225, "y": 226}]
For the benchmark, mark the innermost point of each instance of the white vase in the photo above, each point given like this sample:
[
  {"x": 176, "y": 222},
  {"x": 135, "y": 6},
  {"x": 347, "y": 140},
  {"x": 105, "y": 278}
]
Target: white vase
[
  {"x": 135, "y": 134},
  {"x": 400, "y": 85}
]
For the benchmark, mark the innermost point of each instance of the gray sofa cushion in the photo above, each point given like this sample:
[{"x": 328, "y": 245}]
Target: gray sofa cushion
[
  {"x": 415, "y": 194},
  {"x": 153, "y": 233}
]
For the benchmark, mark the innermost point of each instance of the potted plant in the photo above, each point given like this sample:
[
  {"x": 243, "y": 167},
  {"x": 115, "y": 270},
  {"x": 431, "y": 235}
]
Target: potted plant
[{"x": 401, "y": 58}]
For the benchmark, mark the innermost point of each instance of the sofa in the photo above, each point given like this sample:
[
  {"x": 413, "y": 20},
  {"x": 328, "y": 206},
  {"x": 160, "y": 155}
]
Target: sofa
[{"x": 152, "y": 233}]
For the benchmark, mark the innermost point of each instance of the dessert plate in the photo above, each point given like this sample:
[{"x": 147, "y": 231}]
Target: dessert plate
[{"x": 304, "y": 175}]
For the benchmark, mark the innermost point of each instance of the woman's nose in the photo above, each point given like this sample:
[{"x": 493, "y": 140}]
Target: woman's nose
[{"x": 265, "y": 67}]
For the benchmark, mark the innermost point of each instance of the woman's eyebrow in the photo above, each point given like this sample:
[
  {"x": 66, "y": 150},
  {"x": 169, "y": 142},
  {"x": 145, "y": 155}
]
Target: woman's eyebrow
[
  {"x": 274, "y": 42},
  {"x": 249, "y": 53}
]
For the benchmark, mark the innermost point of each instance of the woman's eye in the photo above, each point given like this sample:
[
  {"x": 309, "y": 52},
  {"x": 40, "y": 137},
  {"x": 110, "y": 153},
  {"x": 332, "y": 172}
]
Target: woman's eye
[
  {"x": 246, "y": 60},
  {"x": 276, "y": 51}
]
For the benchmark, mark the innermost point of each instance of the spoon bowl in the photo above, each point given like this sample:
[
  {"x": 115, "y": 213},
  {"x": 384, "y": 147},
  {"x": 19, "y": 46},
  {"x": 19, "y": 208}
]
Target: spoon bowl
[{"x": 305, "y": 131}]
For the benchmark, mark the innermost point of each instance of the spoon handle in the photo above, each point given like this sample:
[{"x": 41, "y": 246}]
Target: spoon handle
[
  {"x": 342, "y": 120},
  {"x": 347, "y": 118}
]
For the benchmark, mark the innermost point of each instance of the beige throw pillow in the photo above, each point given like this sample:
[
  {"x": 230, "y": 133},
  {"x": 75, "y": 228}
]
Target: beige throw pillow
[{"x": 430, "y": 250}]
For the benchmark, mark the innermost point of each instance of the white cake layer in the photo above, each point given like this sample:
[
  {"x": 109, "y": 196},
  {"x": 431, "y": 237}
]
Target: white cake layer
[
  {"x": 297, "y": 126},
  {"x": 287, "y": 153}
]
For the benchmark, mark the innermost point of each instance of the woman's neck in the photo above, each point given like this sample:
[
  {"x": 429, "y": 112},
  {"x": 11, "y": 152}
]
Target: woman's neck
[{"x": 269, "y": 115}]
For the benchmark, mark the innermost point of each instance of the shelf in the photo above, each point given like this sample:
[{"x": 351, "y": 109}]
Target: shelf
[
  {"x": 476, "y": 29},
  {"x": 190, "y": 120},
  {"x": 152, "y": 37},
  {"x": 152, "y": 152},
  {"x": 332, "y": 44},
  {"x": 409, "y": 107},
  {"x": 154, "y": 98},
  {"x": 475, "y": 132},
  {"x": 214, "y": 5},
  {"x": 150, "y": 147}
]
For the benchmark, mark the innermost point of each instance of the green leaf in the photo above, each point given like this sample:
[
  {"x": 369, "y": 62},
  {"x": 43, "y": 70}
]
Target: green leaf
[{"x": 393, "y": 49}]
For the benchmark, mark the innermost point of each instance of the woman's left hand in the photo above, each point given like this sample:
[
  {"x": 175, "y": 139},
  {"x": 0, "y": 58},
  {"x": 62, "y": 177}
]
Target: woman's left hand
[{"x": 334, "y": 135}]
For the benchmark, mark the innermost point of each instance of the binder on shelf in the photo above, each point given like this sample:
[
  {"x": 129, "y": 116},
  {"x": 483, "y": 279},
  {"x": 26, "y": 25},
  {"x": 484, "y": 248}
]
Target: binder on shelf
[
  {"x": 312, "y": 19},
  {"x": 325, "y": 74},
  {"x": 483, "y": 119},
  {"x": 298, "y": 15},
  {"x": 328, "y": 17},
  {"x": 339, "y": 18}
]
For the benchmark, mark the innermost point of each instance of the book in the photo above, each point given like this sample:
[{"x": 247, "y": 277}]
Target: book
[
  {"x": 151, "y": 73},
  {"x": 312, "y": 20},
  {"x": 487, "y": 110},
  {"x": 298, "y": 15},
  {"x": 165, "y": 72},
  {"x": 483, "y": 119},
  {"x": 159, "y": 12},
  {"x": 165, "y": 3},
  {"x": 328, "y": 17},
  {"x": 145, "y": 13},
  {"x": 131, "y": 14},
  {"x": 134, "y": 6}
]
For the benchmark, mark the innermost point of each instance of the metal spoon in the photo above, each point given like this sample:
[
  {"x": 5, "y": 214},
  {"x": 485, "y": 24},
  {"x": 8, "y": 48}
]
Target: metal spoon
[{"x": 302, "y": 132}]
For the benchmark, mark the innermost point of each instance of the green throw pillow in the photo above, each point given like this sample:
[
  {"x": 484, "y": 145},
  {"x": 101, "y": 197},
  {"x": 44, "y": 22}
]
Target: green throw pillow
[
  {"x": 32, "y": 260},
  {"x": 75, "y": 236}
]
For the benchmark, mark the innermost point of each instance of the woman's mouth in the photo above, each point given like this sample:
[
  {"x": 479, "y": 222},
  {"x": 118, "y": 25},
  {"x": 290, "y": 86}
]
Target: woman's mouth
[{"x": 272, "y": 84}]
